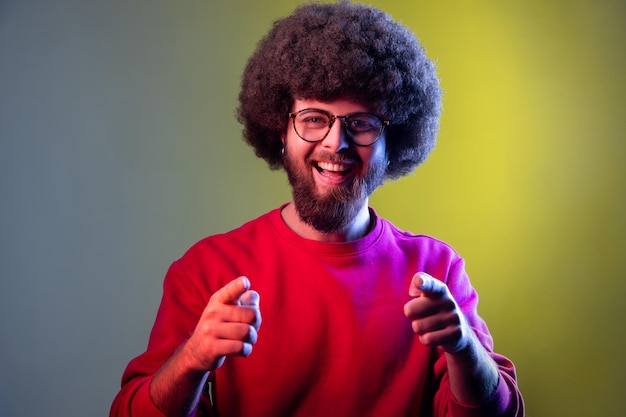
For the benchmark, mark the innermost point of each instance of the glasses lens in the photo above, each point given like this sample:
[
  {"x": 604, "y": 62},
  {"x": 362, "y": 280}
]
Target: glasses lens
[
  {"x": 364, "y": 128},
  {"x": 312, "y": 125}
]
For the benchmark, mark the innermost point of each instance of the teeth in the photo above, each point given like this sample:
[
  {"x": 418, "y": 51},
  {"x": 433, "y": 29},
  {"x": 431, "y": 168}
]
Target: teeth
[{"x": 327, "y": 166}]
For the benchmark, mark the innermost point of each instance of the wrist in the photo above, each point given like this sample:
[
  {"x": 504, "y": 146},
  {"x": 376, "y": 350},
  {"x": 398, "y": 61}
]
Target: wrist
[
  {"x": 190, "y": 362},
  {"x": 474, "y": 375}
]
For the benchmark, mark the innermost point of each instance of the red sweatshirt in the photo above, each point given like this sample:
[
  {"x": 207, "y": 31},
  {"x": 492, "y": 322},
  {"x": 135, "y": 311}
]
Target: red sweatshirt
[{"x": 334, "y": 339}]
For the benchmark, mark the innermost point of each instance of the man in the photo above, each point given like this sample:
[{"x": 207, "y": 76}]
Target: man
[{"x": 359, "y": 318}]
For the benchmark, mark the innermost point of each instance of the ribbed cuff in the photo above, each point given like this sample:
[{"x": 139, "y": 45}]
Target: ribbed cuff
[{"x": 496, "y": 406}]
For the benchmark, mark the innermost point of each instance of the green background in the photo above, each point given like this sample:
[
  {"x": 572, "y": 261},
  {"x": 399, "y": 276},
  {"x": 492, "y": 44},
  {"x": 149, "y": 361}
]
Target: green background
[{"x": 119, "y": 149}]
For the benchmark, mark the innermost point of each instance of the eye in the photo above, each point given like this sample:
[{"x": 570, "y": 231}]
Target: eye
[
  {"x": 313, "y": 119},
  {"x": 364, "y": 122}
]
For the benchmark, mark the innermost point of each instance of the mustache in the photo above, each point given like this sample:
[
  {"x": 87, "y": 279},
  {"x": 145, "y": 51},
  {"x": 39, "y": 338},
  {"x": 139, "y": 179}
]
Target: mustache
[{"x": 333, "y": 157}]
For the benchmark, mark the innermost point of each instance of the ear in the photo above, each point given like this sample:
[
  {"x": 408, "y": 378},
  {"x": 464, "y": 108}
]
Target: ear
[{"x": 282, "y": 138}]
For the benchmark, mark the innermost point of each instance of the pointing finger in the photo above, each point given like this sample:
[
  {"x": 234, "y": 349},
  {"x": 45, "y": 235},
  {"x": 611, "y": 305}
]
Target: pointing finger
[{"x": 231, "y": 292}]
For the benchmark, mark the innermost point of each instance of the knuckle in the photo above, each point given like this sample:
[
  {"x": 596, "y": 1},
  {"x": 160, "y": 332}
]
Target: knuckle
[
  {"x": 251, "y": 314},
  {"x": 457, "y": 333},
  {"x": 246, "y": 349},
  {"x": 427, "y": 340},
  {"x": 419, "y": 327},
  {"x": 247, "y": 333},
  {"x": 211, "y": 311},
  {"x": 205, "y": 328},
  {"x": 409, "y": 309},
  {"x": 252, "y": 335}
]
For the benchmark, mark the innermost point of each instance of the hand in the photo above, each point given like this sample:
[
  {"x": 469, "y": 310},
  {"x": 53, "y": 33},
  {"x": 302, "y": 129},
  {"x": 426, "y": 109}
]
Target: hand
[
  {"x": 435, "y": 316},
  {"x": 228, "y": 326}
]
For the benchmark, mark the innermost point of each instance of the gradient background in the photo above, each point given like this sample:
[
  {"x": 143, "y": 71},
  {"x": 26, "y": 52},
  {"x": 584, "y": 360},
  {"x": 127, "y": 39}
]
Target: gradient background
[{"x": 119, "y": 149}]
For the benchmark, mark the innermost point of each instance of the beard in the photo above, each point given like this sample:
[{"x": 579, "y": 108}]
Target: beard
[{"x": 332, "y": 211}]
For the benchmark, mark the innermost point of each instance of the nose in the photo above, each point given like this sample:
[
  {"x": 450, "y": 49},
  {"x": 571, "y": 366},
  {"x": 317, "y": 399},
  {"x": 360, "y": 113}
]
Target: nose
[{"x": 336, "y": 140}]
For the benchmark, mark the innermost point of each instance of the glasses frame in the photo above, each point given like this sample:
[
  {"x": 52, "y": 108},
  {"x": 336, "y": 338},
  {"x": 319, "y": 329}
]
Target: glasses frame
[{"x": 343, "y": 118}]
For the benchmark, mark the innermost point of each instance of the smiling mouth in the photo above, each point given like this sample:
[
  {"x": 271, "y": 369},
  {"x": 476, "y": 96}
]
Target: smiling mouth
[{"x": 333, "y": 168}]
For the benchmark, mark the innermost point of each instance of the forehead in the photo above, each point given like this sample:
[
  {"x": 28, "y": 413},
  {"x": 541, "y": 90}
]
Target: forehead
[{"x": 338, "y": 106}]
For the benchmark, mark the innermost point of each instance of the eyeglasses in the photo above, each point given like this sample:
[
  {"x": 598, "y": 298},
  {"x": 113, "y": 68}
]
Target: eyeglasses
[{"x": 313, "y": 125}]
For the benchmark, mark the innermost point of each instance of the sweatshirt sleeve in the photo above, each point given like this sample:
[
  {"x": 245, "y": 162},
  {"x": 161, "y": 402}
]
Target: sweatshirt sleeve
[
  {"x": 181, "y": 306},
  {"x": 507, "y": 400}
]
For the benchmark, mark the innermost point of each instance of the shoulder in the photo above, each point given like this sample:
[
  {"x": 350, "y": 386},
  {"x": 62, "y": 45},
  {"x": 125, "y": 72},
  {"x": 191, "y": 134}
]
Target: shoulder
[
  {"x": 237, "y": 244},
  {"x": 215, "y": 260},
  {"x": 240, "y": 238},
  {"x": 414, "y": 240},
  {"x": 422, "y": 252}
]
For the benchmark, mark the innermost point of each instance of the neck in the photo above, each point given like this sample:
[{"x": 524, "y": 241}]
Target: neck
[{"x": 358, "y": 227}]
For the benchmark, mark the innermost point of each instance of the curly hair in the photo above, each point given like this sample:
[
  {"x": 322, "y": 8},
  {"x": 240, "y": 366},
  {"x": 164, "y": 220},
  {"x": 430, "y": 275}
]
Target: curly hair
[{"x": 328, "y": 51}]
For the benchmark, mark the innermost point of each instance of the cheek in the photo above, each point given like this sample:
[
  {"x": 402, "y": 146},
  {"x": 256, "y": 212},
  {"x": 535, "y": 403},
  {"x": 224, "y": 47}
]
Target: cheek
[
  {"x": 375, "y": 155},
  {"x": 297, "y": 147}
]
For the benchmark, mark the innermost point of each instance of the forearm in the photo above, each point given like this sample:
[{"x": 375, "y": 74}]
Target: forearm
[
  {"x": 473, "y": 374},
  {"x": 176, "y": 387}
]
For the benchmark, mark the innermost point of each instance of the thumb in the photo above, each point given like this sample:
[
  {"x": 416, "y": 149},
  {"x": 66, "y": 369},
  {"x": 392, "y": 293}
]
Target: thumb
[
  {"x": 424, "y": 284},
  {"x": 250, "y": 298}
]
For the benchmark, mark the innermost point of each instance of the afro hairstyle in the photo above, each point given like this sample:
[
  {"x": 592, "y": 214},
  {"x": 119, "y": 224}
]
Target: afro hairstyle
[{"x": 342, "y": 50}]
